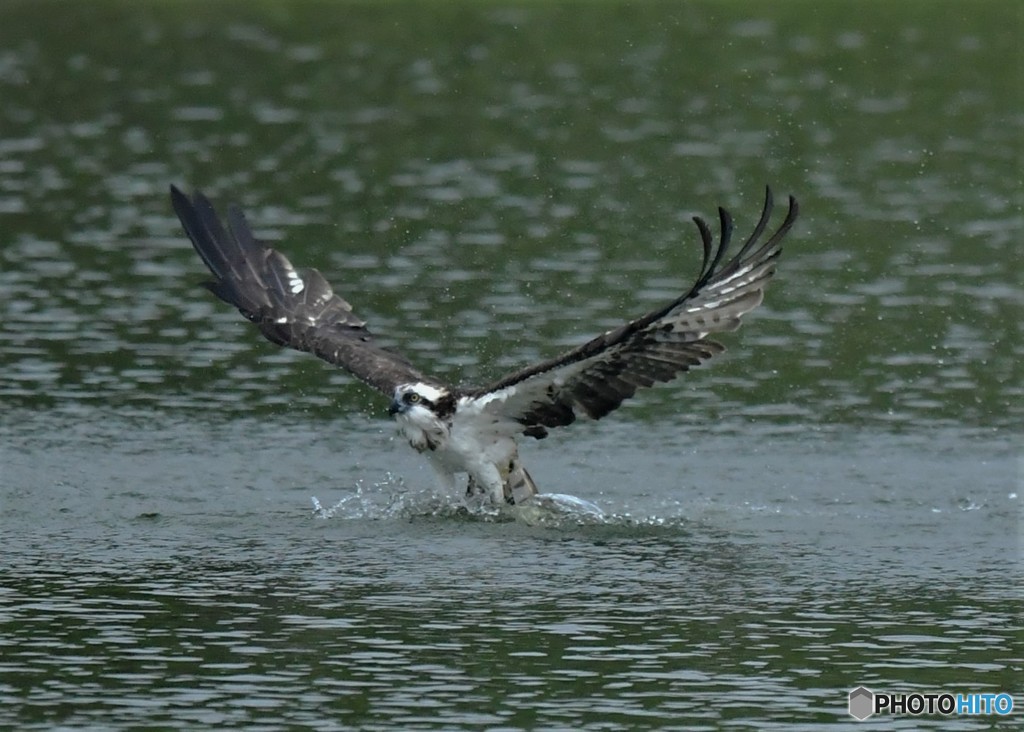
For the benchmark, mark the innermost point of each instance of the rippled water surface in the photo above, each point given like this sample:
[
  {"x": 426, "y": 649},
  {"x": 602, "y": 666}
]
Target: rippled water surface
[{"x": 199, "y": 530}]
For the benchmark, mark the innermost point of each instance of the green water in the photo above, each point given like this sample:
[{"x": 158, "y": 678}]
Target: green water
[{"x": 835, "y": 501}]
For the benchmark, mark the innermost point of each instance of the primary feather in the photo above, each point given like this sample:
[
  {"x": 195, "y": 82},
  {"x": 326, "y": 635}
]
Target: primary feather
[{"x": 595, "y": 378}]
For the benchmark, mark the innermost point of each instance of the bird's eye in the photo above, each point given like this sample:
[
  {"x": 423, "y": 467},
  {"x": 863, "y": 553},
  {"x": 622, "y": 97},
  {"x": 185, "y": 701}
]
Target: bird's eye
[{"x": 413, "y": 398}]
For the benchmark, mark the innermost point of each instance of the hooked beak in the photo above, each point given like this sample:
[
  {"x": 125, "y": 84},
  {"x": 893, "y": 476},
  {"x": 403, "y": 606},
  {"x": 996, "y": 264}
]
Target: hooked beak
[{"x": 396, "y": 407}]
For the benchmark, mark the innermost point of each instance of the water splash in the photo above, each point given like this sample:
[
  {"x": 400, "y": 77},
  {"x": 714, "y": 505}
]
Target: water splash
[
  {"x": 546, "y": 509},
  {"x": 390, "y": 499}
]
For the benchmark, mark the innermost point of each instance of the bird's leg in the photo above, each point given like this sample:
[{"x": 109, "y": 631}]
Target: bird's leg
[{"x": 487, "y": 482}]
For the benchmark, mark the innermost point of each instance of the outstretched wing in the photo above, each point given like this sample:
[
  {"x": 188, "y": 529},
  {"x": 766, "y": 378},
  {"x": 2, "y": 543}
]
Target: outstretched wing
[
  {"x": 291, "y": 307},
  {"x": 594, "y": 379}
]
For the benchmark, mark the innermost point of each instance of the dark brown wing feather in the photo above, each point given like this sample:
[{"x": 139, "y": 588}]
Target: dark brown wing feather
[
  {"x": 294, "y": 308},
  {"x": 595, "y": 378}
]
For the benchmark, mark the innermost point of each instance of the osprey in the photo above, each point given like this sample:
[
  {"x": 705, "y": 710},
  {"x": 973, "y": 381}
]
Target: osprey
[{"x": 473, "y": 430}]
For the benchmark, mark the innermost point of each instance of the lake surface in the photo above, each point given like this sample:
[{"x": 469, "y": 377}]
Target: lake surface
[{"x": 199, "y": 530}]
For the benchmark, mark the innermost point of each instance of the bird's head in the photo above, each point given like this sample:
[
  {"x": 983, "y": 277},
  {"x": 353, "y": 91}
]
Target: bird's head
[{"x": 421, "y": 404}]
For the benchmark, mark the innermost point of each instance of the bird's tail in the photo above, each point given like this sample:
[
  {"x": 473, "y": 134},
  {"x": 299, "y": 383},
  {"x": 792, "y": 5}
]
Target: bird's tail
[{"x": 518, "y": 484}]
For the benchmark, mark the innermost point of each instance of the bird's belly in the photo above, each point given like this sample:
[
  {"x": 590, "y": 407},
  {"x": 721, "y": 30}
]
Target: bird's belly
[{"x": 466, "y": 451}]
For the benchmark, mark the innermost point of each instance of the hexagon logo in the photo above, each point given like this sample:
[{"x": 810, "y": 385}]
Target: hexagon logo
[{"x": 862, "y": 703}]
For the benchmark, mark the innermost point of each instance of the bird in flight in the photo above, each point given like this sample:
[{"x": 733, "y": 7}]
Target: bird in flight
[{"x": 473, "y": 430}]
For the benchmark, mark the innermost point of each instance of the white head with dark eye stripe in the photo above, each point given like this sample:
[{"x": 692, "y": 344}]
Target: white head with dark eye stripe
[{"x": 421, "y": 404}]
